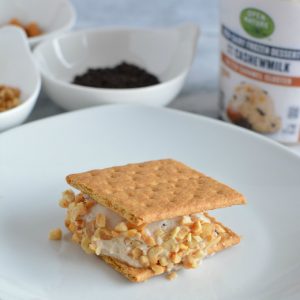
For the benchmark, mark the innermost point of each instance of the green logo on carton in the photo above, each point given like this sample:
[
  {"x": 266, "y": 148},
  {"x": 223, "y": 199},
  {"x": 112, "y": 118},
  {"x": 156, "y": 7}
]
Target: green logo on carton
[{"x": 256, "y": 23}]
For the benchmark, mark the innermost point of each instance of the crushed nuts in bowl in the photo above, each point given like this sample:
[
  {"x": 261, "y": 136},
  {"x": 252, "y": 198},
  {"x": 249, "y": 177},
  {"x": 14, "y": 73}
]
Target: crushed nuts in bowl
[
  {"x": 9, "y": 97},
  {"x": 32, "y": 29}
]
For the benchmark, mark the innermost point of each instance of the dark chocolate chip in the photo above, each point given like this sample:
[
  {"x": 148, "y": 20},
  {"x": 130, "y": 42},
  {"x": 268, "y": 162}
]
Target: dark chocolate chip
[
  {"x": 243, "y": 122},
  {"x": 261, "y": 112}
]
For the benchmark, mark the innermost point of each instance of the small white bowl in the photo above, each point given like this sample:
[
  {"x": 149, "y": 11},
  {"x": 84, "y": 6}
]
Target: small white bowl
[
  {"x": 17, "y": 70},
  {"x": 53, "y": 16},
  {"x": 167, "y": 53}
]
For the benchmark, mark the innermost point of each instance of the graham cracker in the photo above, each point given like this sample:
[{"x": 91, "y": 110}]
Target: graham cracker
[
  {"x": 142, "y": 274},
  {"x": 154, "y": 190}
]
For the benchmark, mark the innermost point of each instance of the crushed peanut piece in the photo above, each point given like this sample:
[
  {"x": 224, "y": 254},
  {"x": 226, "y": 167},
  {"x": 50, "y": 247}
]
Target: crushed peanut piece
[
  {"x": 198, "y": 254},
  {"x": 100, "y": 221},
  {"x": 207, "y": 229},
  {"x": 96, "y": 247},
  {"x": 136, "y": 243},
  {"x": 85, "y": 243},
  {"x": 93, "y": 247},
  {"x": 159, "y": 240},
  {"x": 170, "y": 267},
  {"x": 105, "y": 234},
  {"x": 209, "y": 238},
  {"x": 98, "y": 251},
  {"x": 68, "y": 196},
  {"x": 197, "y": 227},
  {"x": 149, "y": 240},
  {"x": 183, "y": 233},
  {"x": 114, "y": 234},
  {"x": 213, "y": 242},
  {"x": 55, "y": 234},
  {"x": 144, "y": 261},
  {"x": 79, "y": 198},
  {"x": 15, "y": 22},
  {"x": 157, "y": 269},
  {"x": 121, "y": 227},
  {"x": 32, "y": 29},
  {"x": 89, "y": 228},
  {"x": 171, "y": 245},
  {"x": 197, "y": 238},
  {"x": 63, "y": 203},
  {"x": 153, "y": 254},
  {"x": 174, "y": 232},
  {"x": 78, "y": 211},
  {"x": 176, "y": 259},
  {"x": 163, "y": 261},
  {"x": 183, "y": 247},
  {"x": 132, "y": 233},
  {"x": 159, "y": 233},
  {"x": 89, "y": 204},
  {"x": 171, "y": 275},
  {"x": 193, "y": 244},
  {"x": 136, "y": 253},
  {"x": 186, "y": 220},
  {"x": 219, "y": 228},
  {"x": 67, "y": 223},
  {"x": 182, "y": 253},
  {"x": 190, "y": 262},
  {"x": 76, "y": 237},
  {"x": 96, "y": 234}
]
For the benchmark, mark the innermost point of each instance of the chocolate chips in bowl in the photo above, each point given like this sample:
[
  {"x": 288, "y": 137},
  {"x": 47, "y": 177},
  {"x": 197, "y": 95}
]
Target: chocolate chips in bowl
[
  {"x": 121, "y": 76},
  {"x": 118, "y": 57}
]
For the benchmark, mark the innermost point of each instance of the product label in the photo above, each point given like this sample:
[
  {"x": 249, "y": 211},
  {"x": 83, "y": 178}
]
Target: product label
[{"x": 260, "y": 67}]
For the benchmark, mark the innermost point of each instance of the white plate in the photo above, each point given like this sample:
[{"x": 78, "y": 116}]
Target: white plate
[{"x": 35, "y": 158}]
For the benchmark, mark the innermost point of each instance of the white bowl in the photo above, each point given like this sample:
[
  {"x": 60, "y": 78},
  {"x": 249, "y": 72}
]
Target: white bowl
[
  {"x": 53, "y": 16},
  {"x": 167, "y": 53},
  {"x": 18, "y": 70}
]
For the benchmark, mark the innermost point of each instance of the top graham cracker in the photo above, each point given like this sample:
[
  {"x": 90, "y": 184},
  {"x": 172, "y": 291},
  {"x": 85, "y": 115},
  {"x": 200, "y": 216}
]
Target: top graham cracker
[{"x": 156, "y": 190}]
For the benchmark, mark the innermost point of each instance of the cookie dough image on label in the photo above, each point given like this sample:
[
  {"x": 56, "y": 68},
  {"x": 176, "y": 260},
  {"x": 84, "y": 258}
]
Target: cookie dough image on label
[{"x": 253, "y": 108}]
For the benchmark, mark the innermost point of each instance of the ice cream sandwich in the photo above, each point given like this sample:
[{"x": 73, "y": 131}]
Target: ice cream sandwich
[{"x": 149, "y": 218}]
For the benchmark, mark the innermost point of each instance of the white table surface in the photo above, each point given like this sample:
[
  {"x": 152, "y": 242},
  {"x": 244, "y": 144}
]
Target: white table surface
[{"x": 200, "y": 92}]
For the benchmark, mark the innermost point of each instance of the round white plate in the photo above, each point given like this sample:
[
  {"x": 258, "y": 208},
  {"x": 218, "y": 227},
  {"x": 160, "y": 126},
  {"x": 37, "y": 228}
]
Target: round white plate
[{"x": 35, "y": 158}]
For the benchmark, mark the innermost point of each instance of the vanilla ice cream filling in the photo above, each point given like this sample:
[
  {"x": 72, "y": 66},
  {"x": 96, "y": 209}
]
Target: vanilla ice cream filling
[{"x": 120, "y": 247}]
